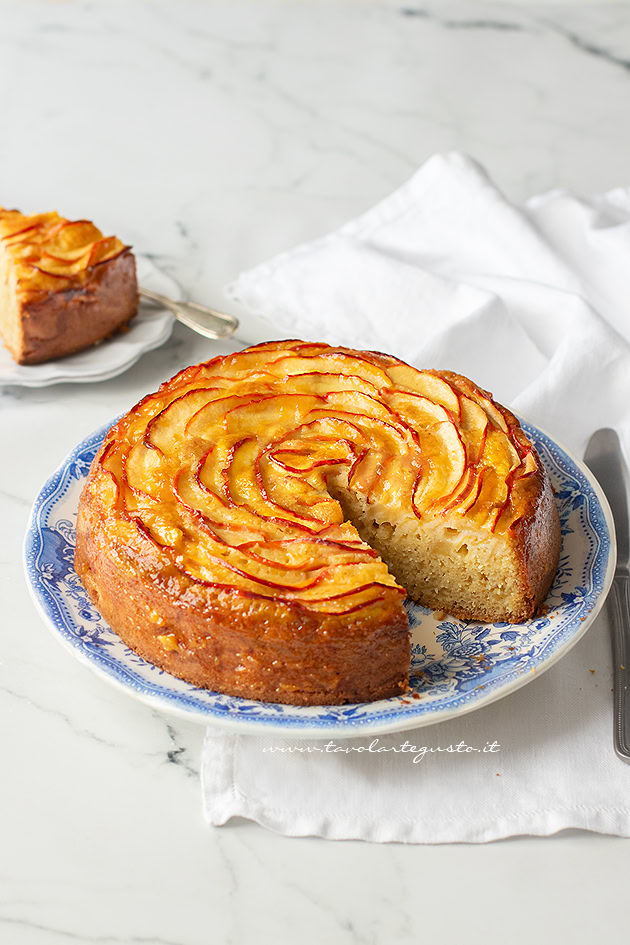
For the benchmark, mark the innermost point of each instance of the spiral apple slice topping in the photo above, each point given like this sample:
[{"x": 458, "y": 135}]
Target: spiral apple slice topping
[{"x": 251, "y": 472}]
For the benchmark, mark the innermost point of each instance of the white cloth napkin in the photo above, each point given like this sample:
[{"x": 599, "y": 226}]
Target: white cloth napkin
[{"x": 533, "y": 303}]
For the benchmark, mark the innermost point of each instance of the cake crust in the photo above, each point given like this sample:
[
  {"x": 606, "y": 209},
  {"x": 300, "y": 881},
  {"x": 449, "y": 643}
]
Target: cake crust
[
  {"x": 248, "y": 647},
  {"x": 61, "y": 323},
  {"x": 191, "y": 547},
  {"x": 538, "y": 538}
]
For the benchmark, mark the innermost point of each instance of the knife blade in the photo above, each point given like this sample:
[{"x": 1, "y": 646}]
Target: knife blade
[{"x": 604, "y": 458}]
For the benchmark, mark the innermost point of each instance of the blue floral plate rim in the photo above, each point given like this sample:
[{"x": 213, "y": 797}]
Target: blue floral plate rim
[{"x": 65, "y": 608}]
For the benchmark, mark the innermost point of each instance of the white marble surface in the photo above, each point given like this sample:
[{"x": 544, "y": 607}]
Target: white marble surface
[{"x": 212, "y": 135}]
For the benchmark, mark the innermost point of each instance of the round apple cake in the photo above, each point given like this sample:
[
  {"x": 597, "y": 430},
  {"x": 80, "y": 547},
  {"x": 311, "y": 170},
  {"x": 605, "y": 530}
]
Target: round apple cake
[{"x": 254, "y": 526}]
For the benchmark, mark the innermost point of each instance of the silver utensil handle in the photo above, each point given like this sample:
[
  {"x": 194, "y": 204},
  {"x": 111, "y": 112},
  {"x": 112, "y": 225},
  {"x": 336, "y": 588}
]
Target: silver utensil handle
[
  {"x": 205, "y": 321},
  {"x": 620, "y": 627}
]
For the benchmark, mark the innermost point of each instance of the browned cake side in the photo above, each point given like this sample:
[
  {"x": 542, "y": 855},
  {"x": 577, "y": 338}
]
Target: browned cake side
[
  {"x": 254, "y": 525},
  {"x": 62, "y": 323},
  {"x": 249, "y": 647}
]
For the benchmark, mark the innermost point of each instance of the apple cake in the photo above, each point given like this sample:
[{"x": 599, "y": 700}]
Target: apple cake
[
  {"x": 255, "y": 525},
  {"x": 63, "y": 285}
]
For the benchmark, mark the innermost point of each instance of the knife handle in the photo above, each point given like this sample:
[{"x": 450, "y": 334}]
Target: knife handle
[{"x": 620, "y": 628}]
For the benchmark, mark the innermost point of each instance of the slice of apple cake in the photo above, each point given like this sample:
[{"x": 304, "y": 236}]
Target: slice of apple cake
[{"x": 63, "y": 285}]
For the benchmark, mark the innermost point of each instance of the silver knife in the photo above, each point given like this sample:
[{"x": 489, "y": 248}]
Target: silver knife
[{"x": 604, "y": 458}]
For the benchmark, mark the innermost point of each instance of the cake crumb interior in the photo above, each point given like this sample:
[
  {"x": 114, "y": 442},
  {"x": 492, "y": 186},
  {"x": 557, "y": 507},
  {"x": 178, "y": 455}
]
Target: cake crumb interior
[
  {"x": 454, "y": 567},
  {"x": 9, "y": 306}
]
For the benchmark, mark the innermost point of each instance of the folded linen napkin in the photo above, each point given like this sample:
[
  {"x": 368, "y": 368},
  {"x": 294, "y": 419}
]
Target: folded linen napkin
[{"x": 531, "y": 303}]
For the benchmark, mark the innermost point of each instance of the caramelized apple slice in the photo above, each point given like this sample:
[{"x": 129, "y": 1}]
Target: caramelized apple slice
[
  {"x": 257, "y": 415},
  {"x": 427, "y": 383},
  {"x": 170, "y": 428},
  {"x": 144, "y": 472},
  {"x": 288, "y": 365},
  {"x": 416, "y": 410},
  {"x": 443, "y": 460},
  {"x": 499, "y": 454},
  {"x": 71, "y": 235},
  {"x": 473, "y": 428},
  {"x": 324, "y": 382}
]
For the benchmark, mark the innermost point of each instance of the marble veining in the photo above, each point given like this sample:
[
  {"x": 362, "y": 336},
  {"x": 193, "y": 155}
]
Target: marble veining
[
  {"x": 212, "y": 135},
  {"x": 462, "y": 24}
]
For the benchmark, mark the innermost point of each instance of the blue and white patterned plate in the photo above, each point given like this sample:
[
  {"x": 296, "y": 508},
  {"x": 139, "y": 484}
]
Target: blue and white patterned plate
[{"x": 456, "y": 665}]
